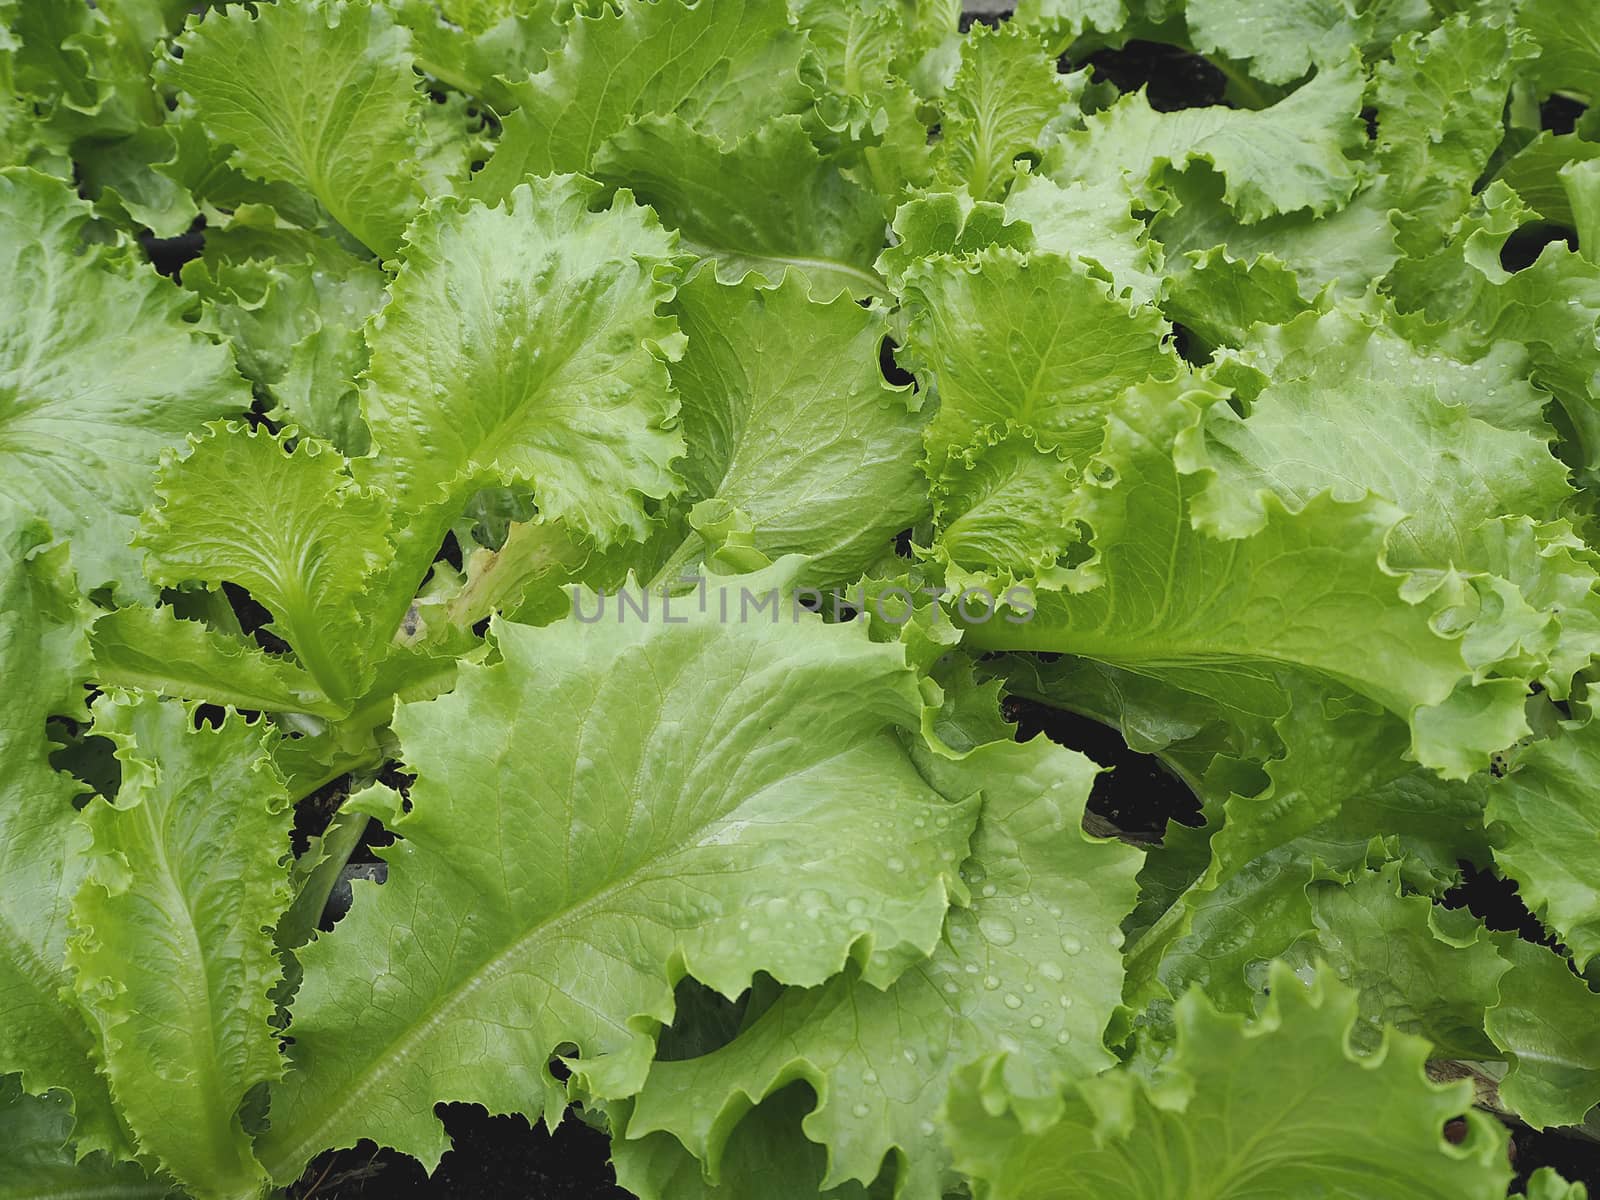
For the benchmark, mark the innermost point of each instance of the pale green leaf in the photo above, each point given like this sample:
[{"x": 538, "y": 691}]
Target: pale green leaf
[
  {"x": 1033, "y": 340},
  {"x": 1278, "y": 1106},
  {"x": 763, "y": 205},
  {"x": 1281, "y": 39},
  {"x": 482, "y": 46},
  {"x": 42, "y": 649},
  {"x": 1352, "y": 409},
  {"x": 319, "y": 94},
  {"x": 998, "y": 505},
  {"x": 98, "y": 373},
  {"x": 523, "y": 344},
  {"x": 722, "y": 66},
  {"x": 1547, "y": 1022},
  {"x": 1440, "y": 109},
  {"x": 172, "y": 950},
  {"x": 1007, "y": 99},
  {"x": 707, "y": 798},
  {"x": 1295, "y": 155},
  {"x": 1569, "y": 50},
  {"x": 154, "y": 650},
  {"x": 1031, "y": 968},
  {"x": 1309, "y": 592},
  {"x": 1546, "y": 817},
  {"x": 1411, "y": 975},
  {"x": 787, "y": 418},
  {"x": 290, "y": 526},
  {"x": 1093, "y": 222}
]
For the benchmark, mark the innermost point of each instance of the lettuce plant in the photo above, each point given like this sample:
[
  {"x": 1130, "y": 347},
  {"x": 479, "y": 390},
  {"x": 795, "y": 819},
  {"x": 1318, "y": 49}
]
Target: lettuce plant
[{"x": 640, "y": 456}]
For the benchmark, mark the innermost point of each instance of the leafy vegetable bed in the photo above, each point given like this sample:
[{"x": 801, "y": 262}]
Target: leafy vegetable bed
[{"x": 630, "y": 480}]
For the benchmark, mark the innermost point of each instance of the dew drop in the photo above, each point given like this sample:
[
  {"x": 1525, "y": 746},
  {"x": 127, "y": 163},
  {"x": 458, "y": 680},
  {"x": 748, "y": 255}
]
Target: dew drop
[
  {"x": 896, "y": 864},
  {"x": 869, "y": 1077},
  {"x": 1013, "y": 1001},
  {"x": 990, "y": 983},
  {"x": 1063, "y": 1038},
  {"x": 861, "y": 1110},
  {"x": 1070, "y": 944},
  {"x": 998, "y": 930},
  {"x": 1051, "y": 971},
  {"x": 1035, "y": 1022}
]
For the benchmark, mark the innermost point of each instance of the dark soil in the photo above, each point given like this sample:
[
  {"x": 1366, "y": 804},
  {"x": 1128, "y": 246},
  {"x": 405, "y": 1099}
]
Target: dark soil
[
  {"x": 1172, "y": 77},
  {"x": 494, "y": 1158},
  {"x": 1137, "y": 794}
]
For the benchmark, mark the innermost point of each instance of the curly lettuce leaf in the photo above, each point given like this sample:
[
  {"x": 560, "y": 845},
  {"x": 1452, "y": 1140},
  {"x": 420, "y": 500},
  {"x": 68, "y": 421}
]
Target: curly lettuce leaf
[
  {"x": 1542, "y": 813},
  {"x": 719, "y": 65},
  {"x": 98, "y": 374},
  {"x": 1341, "y": 1125},
  {"x": 1546, "y": 1022},
  {"x": 787, "y": 418},
  {"x": 1310, "y": 592},
  {"x": 777, "y": 825},
  {"x": 1298, "y": 154},
  {"x": 155, "y": 650},
  {"x": 288, "y": 524},
  {"x": 1006, "y": 101},
  {"x": 37, "y": 1158},
  {"x": 319, "y": 95},
  {"x": 1033, "y": 966},
  {"x": 761, "y": 206},
  {"x": 539, "y": 323},
  {"x": 172, "y": 952},
  {"x": 42, "y": 648},
  {"x": 1033, "y": 340}
]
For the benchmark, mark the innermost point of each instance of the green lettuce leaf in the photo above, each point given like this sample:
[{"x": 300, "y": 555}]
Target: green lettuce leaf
[
  {"x": 1309, "y": 592},
  {"x": 42, "y": 647},
  {"x": 88, "y": 404},
  {"x": 1541, "y": 813},
  {"x": 1296, "y": 155},
  {"x": 776, "y": 825},
  {"x": 761, "y": 206},
  {"x": 1032, "y": 967},
  {"x": 1546, "y": 1023},
  {"x": 172, "y": 950},
  {"x": 787, "y": 418},
  {"x": 1280, "y": 41},
  {"x": 1034, "y": 340},
  {"x": 765, "y": 1155},
  {"x": 539, "y": 323},
  {"x": 37, "y": 1159},
  {"x": 155, "y": 650},
  {"x": 308, "y": 553},
  {"x": 1006, "y": 101},
  {"x": 320, "y": 95},
  {"x": 1340, "y": 1124},
  {"x": 720, "y": 65},
  {"x": 482, "y": 46},
  {"x": 295, "y": 306}
]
